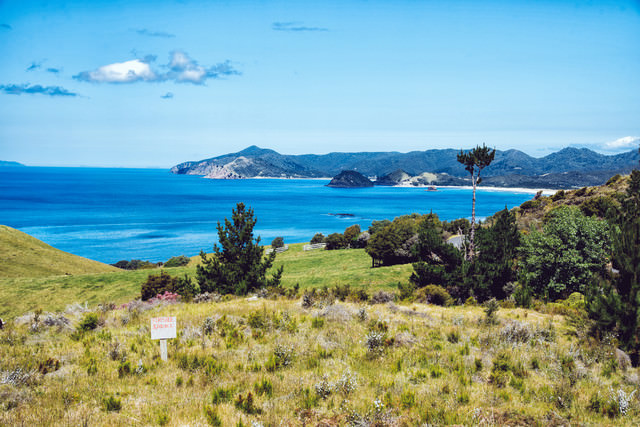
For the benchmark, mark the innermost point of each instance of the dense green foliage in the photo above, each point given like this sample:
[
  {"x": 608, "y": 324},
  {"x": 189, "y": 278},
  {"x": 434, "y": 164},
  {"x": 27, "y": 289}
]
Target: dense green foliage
[
  {"x": 394, "y": 242},
  {"x": 238, "y": 266},
  {"x": 177, "y": 261},
  {"x": 614, "y": 303},
  {"x": 570, "y": 251},
  {"x": 317, "y": 238},
  {"x": 494, "y": 266},
  {"x": 278, "y": 242},
  {"x": 440, "y": 263},
  {"x": 351, "y": 234},
  {"x": 134, "y": 264},
  {"x": 157, "y": 284},
  {"x": 335, "y": 241}
]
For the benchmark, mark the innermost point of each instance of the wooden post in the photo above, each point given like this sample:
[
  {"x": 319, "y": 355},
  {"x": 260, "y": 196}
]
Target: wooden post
[{"x": 163, "y": 350}]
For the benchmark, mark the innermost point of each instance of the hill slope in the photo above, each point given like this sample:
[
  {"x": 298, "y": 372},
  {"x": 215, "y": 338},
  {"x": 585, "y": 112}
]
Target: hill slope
[{"x": 24, "y": 256}]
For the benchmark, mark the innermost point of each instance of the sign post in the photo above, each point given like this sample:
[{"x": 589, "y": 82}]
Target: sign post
[{"x": 163, "y": 328}]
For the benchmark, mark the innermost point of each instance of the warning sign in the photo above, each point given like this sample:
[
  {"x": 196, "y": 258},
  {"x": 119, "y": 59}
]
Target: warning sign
[{"x": 163, "y": 328}]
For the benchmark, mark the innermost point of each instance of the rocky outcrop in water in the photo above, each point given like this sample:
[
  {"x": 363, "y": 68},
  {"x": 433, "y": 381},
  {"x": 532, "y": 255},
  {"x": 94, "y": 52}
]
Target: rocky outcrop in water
[{"x": 350, "y": 179}]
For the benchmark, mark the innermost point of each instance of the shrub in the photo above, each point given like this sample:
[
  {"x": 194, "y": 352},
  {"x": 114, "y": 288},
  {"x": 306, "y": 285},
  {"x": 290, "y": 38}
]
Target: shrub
[
  {"x": 134, "y": 264},
  {"x": 434, "y": 294},
  {"x": 323, "y": 388},
  {"x": 211, "y": 414},
  {"x": 531, "y": 204},
  {"x": 177, "y": 261},
  {"x": 558, "y": 195},
  {"x": 601, "y": 206},
  {"x": 335, "y": 241},
  {"x": 157, "y": 284},
  {"x": 614, "y": 179},
  {"x": 406, "y": 290},
  {"x": 581, "y": 192},
  {"x": 317, "y": 238},
  {"x": 111, "y": 404},
  {"x": 351, "y": 234},
  {"x": 382, "y": 297},
  {"x": 264, "y": 386},
  {"x": 490, "y": 309},
  {"x": 374, "y": 342},
  {"x": 246, "y": 404},
  {"x": 89, "y": 322},
  {"x": 221, "y": 395},
  {"x": 278, "y": 242},
  {"x": 317, "y": 322}
]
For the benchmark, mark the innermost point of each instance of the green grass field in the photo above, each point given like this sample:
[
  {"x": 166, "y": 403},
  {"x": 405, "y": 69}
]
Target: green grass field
[
  {"x": 24, "y": 256},
  {"x": 53, "y": 292}
]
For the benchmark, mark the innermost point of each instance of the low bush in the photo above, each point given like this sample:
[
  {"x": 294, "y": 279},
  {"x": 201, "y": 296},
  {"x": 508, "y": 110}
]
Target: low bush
[
  {"x": 177, "y": 261},
  {"x": 89, "y": 322},
  {"x": 278, "y": 242},
  {"x": 434, "y": 294},
  {"x": 111, "y": 403},
  {"x": 317, "y": 238}
]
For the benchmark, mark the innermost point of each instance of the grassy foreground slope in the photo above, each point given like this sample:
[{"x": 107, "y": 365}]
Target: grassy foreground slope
[
  {"x": 24, "y": 256},
  {"x": 277, "y": 363}
]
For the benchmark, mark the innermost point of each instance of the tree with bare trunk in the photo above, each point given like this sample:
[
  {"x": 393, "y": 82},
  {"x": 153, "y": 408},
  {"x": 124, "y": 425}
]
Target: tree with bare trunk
[{"x": 474, "y": 161}]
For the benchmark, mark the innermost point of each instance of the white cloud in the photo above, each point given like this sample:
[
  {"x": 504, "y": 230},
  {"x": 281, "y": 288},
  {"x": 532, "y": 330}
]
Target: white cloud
[
  {"x": 120, "y": 72},
  {"x": 181, "y": 68},
  {"x": 622, "y": 144}
]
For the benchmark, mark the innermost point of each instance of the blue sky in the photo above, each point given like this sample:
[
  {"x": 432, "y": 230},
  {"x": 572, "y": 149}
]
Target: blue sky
[{"x": 154, "y": 83}]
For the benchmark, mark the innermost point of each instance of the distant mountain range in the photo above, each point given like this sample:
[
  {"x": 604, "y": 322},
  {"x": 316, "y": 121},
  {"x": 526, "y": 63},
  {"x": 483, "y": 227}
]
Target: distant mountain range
[{"x": 569, "y": 167}]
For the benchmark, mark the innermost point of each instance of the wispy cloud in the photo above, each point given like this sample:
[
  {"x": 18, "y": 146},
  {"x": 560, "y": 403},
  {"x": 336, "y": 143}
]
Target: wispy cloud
[
  {"x": 6, "y": 27},
  {"x": 295, "y": 27},
  {"x": 149, "y": 33},
  {"x": 167, "y": 95},
  {"x": 36, "y": 89},
  {"x": 35, "y": 65},
  {"x": 181, "y": 69},
  {"x": 53, "y": 70}
]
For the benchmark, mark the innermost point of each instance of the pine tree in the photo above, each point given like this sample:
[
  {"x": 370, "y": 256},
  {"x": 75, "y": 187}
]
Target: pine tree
[
  {"x": 494, "y": 266},
  {"x": 614, "y": 304},
  {"x": 474, "y": 161},
  {"x": 238, "y": 266}
]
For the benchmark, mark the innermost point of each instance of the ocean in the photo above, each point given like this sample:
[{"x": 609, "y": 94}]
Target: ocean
[{"x": 150, "y": 214}]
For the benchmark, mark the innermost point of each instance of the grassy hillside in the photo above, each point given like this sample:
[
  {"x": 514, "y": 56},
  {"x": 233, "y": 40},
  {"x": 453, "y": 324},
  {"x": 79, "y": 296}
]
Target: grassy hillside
[
  {"x": 591, "y": 200},
  {"x": 273, "y": 362},
  {"x": 24, "y": 256},
  {"x": 310, "y": 269}
]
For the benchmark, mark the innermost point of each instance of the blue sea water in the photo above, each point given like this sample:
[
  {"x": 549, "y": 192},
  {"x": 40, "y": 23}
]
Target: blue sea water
[{"x": 114, "y": 214}]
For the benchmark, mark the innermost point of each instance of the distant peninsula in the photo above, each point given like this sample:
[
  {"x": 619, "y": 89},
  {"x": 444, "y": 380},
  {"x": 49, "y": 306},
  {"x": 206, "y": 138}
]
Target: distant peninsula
[
  {"x": 565, "y": 169},
  {"x": 5, "y": 163}
]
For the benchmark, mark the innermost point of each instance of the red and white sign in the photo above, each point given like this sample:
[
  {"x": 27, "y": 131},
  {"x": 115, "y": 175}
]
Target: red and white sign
[{"x": 163, "y": 328}]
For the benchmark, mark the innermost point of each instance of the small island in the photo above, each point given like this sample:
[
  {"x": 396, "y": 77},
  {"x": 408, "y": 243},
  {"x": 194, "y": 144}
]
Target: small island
[{"x": 350, "y": 179}]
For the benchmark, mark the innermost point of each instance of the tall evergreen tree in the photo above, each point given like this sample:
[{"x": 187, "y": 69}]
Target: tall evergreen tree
[
  {"x": 614, "y": 304},
  {"x": 494, "y": 265},
  {"x": 474, "y": 161},
  {"x": 238, "y": 266}
]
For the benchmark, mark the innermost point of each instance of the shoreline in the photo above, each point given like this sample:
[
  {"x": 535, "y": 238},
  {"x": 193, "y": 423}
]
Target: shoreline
[{"x": 545, "y": 191}]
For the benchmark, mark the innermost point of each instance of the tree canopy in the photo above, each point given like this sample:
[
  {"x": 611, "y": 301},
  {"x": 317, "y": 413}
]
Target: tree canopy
[{"x": 238, "y": 265}]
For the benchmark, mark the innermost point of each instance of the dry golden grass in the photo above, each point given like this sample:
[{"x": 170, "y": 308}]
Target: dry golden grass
[{"x": 309, "y": 366}]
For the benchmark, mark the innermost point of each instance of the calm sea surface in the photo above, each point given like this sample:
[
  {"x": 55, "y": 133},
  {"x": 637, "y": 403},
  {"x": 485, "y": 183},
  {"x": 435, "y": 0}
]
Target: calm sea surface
[{"x": 114, "y": 214}]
